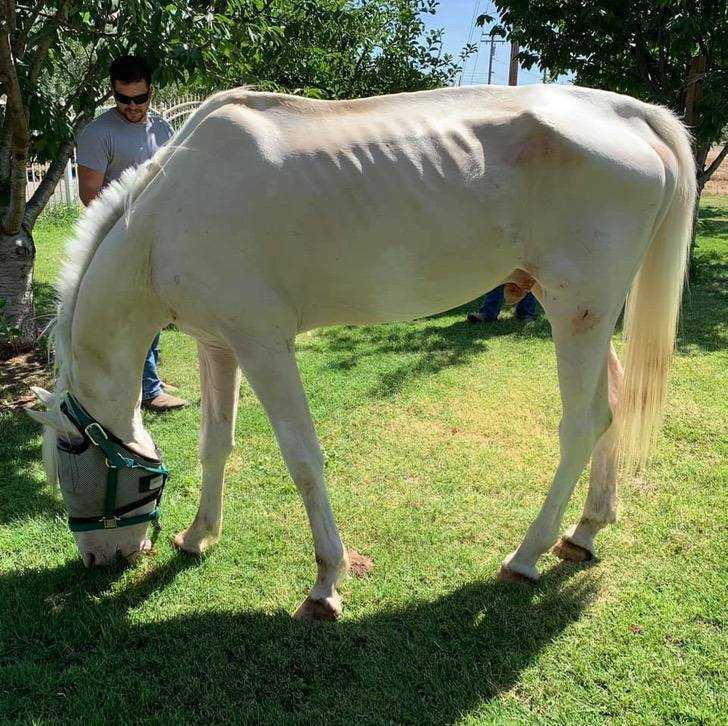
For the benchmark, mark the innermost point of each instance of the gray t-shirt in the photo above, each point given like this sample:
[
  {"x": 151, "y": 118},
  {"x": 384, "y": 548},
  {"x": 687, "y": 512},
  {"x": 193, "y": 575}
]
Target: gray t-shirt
[{"x": 112, "y": 144}]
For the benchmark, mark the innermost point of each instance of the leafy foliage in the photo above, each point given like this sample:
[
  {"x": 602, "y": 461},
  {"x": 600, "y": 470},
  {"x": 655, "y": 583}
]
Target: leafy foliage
[
  {"x": 645, "y": 48},
  {"x": 321, "y": 48}
]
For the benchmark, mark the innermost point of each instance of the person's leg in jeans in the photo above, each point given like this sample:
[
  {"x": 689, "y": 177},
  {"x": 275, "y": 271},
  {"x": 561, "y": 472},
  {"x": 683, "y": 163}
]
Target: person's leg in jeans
[
  {"x": 151, "y": 385},
  {"x": 527, "y": 308},
  {"x": 491, "y": 307},
  {"x": 492, "y": 303}
]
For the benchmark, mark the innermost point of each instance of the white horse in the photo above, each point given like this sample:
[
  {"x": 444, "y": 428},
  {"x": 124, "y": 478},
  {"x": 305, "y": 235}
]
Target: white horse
[{"x": 270, "y": 215}]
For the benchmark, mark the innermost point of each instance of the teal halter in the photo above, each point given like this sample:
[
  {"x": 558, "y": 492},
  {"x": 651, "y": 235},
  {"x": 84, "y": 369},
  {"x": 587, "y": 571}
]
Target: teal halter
[{"x": 117, "y": 458}]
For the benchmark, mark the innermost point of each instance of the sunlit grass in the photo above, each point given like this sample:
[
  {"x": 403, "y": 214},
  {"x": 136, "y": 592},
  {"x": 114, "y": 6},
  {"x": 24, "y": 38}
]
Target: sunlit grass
[{"x": 440, "y": 441}]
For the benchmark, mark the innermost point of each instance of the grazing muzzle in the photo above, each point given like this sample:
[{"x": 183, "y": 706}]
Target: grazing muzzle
[{"x": 105, "y": 485}]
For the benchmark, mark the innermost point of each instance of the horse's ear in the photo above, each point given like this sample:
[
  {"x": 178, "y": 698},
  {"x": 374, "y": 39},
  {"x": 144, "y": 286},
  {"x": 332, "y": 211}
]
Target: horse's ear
[
  {"x": 45, "y": 397},
  {"x": 45, "y": 418}
]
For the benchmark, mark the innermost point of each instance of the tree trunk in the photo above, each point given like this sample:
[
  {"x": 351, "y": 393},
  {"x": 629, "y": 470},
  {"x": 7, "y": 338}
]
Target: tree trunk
[
  {"x": 17, "y": 315},
  {"x": 45, "y": 189},
  {"x": 701, "y": 154}
]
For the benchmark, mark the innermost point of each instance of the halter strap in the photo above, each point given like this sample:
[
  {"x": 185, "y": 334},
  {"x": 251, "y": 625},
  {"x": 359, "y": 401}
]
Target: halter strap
[{"x": 114, "y": 451}]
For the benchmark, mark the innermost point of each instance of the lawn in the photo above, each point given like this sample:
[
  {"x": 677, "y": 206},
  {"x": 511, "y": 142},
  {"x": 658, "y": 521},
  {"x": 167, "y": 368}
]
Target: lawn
[{"x": 440, "y": 441}]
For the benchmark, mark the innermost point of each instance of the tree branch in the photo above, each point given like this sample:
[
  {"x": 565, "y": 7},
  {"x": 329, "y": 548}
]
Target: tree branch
[
  {"x": 48, "y": 185},
  {"x": 92, "y": 72},
  {"x": 704, "y": 176},
  {"x": 20, "y": 137},
  {"x": 6, "y": 137},
  {"x": 92, "y": 31},
  {"x": 44, "y": 45},
  {"x": 22, "y": 39}
]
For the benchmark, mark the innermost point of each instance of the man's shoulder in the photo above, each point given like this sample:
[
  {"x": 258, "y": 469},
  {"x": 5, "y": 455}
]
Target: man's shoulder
[
  {"x": 159, "y": 121},
  {"x": 101, "y": 124},
  {"x": 105, "y": 119}
]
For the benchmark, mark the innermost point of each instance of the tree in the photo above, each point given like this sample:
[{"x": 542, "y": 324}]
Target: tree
[
  {"x": 54, "y": 57},
  {"x": 344, "y": 49},
  {"x": 669, "y": 52}
]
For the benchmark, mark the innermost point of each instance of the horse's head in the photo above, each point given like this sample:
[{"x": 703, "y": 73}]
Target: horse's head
[{"x": 81, "y": 468}]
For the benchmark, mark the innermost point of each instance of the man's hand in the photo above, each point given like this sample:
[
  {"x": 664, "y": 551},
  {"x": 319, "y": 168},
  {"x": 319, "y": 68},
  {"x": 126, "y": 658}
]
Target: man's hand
[{"x": 90, "y": 182}]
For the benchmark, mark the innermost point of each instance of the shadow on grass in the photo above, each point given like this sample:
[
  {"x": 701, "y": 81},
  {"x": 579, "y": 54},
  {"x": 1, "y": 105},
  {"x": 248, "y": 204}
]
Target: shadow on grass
[
  {"x": 713, "y": 221},
  {"x": 23, "y": 491},
  {"x": 429, "y": 346},
  {"x": 44, "y": 295},
  {"x": 69, "y": 644},
  {"x": 705, "y": 305}
]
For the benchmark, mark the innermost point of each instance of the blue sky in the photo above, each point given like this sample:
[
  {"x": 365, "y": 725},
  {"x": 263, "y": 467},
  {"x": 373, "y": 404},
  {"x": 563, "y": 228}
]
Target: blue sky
[{"x": 457, "y": 18}]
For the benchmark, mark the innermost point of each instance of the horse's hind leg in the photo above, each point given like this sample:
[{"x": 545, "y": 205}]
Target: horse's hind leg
[
  {"x": 582, "y": 336},
  {"x": 271, "y": 368},
  {"x": 220, "y": 382},
  {"x": 600, "y": 507}
]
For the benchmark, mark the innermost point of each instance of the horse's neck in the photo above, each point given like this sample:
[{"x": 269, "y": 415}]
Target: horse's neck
[{"x": 115, "y": 319}]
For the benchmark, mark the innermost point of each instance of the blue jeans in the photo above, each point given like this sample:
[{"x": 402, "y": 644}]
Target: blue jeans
[
  {"x": 493, "y": 303},
  {"x": 151, "y": 385}
]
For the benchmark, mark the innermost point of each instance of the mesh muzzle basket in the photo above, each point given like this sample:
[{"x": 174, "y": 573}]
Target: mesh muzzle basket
[
  {"x": 106, "y": 485},
  {"x": 82, "y": 473}
]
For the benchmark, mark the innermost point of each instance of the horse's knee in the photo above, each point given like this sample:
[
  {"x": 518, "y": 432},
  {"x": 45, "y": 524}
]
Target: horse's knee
[
  {"x": 215, "y": 453},
  {"x": 307, "y": 474}
]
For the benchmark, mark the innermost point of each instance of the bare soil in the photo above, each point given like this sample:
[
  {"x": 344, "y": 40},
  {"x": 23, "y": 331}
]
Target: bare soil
[
  {"x": 718, "y": 183},
  {"x": 17, "y": 374}
]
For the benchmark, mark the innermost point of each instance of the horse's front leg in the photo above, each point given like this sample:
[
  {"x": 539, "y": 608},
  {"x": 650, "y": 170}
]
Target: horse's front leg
[
  {"x": 220, "y": 381},
  {"x": 271, "y": 369}
]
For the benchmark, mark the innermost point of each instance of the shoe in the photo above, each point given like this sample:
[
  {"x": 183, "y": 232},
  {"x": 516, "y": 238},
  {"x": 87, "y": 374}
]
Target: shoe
[
  {"x": 169, "y": 387},
  {"x": 480, "y": 318},
  {"x": 163, "y": 402}
]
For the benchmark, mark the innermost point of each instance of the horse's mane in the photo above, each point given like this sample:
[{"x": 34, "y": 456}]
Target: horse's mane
[
  {"x": 98, "y": 220},
  {"x": 91, "y": 229}
]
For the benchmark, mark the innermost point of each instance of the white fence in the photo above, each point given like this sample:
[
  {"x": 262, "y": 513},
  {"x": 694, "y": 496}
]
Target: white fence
[{"x": 66, "y": 191}]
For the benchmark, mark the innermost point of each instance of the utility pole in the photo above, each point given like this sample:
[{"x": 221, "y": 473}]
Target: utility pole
[
  {"x": 513, "y": 70},
  {"x": 490, "y": 61}
]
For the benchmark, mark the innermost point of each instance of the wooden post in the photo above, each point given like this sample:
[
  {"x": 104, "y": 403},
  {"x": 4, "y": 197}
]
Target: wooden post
[
  {"x": 513, "y": 70},
  {"x": 695, "y": 79},
  {"x": 490, "y": 60},
  {"x": 68, "y": 179}
]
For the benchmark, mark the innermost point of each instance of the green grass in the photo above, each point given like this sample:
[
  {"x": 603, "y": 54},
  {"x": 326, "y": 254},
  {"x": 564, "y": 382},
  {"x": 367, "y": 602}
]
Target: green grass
[{"x": 441, "y": 442}]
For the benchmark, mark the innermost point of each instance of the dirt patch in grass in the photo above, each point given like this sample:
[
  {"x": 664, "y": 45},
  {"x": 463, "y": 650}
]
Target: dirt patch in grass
[
  {"x": 718, "y": 183},
  {"x": 17, "y": 374},
  {"x": 359, "y": 565}
]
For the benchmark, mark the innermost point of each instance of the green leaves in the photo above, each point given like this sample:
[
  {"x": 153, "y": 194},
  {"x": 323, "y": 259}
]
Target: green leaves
[{"x": 643, "y": 48}]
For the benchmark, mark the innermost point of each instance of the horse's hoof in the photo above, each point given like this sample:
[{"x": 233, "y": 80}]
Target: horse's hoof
[
  {"x": 568, "y": 550},
  {"x": 192, "y": 545},
  {"x": 311, "y": 609},
  {"x": 506, "y": 574}
]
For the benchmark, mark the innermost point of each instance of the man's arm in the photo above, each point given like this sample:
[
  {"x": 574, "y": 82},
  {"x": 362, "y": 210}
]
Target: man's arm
[{"x": 90, "y": 182}]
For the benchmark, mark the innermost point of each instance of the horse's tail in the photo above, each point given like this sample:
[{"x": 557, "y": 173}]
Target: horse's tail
[{"x": 653, "y": 304}]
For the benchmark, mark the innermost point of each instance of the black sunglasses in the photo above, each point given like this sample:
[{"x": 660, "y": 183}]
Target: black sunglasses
[{"x": 138, "y": 100}]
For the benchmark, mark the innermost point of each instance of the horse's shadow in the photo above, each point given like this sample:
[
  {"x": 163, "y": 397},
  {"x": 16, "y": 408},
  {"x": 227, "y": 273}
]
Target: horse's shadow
[
  {"x": 23, "y": 489},
  {"x": 427, "y": 662},
  {"x": 424, "y": 349}
]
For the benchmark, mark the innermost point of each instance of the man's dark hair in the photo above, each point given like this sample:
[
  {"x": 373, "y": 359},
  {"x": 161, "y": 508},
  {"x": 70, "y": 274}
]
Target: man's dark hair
[{"x": 130, "y": 68}]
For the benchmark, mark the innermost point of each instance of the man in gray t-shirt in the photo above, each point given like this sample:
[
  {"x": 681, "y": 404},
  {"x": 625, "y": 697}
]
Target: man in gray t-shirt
[
  {"x": 110, "y": 143},
  {"x": 122, "y": 137}
]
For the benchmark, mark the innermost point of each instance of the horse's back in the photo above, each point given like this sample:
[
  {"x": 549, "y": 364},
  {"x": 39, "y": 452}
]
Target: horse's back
[{"x": 392, "y": 207}]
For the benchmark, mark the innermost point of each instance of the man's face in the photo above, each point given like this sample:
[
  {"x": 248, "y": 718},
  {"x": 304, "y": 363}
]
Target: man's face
[{"x": 127, "y": 107}]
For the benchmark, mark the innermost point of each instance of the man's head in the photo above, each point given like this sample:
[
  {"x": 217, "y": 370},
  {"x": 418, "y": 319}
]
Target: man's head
[{"x": 131, "y": 82}]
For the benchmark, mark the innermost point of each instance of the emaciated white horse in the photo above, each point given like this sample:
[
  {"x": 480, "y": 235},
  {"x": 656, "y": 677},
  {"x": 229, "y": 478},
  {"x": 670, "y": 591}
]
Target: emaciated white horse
[{"x": 270, "y": 215}]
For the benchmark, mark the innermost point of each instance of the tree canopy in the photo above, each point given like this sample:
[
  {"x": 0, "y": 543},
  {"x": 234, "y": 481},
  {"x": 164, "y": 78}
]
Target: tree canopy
[
  {"x": 670, "y": 52},
  {"x": 55, "y": 54}
]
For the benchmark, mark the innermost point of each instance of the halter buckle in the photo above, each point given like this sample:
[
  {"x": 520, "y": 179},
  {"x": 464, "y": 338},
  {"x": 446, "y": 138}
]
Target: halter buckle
[{"x": 96, "y": 429}]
